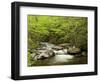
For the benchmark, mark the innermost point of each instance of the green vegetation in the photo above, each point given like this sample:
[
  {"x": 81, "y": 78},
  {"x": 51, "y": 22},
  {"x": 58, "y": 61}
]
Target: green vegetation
[{"x": 56, "y": 30}]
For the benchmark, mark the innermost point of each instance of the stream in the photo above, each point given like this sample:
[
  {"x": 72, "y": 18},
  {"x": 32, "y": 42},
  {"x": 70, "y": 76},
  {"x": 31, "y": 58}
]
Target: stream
[{"x": 61, "y": 58}]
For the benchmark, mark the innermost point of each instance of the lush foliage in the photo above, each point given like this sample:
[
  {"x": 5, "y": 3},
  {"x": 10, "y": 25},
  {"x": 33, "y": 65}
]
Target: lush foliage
[{"x": 57, "y": 30}]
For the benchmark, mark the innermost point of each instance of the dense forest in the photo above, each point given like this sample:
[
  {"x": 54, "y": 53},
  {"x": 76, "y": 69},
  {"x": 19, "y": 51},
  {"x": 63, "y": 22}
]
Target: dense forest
[{"x": 57, "y": 30}]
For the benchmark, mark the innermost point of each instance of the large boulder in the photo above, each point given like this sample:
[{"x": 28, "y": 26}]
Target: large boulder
[
  {"x": 73, "y": 50},
  {"x": 44, "y": 54}
]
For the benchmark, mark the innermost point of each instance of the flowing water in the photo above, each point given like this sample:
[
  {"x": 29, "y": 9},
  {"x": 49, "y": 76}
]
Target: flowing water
[{"x": 61, "y": 58}]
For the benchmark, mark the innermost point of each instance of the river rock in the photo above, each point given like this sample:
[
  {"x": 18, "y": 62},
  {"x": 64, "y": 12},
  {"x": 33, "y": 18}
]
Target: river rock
[
  {"x": 33, "y": 55},
  {"x": 44, "y": 54},
  {"x": 84, "y": 53},
  {"x": 73, "y": 50},
  {"x": 65, "y": 45},
  {"x": 57, "y": 48}
]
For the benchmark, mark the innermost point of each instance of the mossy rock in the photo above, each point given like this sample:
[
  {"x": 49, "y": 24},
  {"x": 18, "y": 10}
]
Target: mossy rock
[{"x": 73, "y": 50}]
